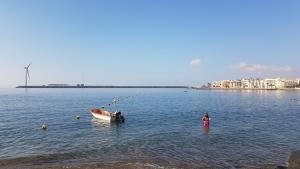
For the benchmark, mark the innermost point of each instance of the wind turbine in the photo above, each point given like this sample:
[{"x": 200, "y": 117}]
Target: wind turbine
[{"x": 26, "y": 74}]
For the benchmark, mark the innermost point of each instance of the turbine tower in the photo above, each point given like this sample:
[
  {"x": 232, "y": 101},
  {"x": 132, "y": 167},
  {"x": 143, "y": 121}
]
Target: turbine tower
[{"x": 26, "y": 74}]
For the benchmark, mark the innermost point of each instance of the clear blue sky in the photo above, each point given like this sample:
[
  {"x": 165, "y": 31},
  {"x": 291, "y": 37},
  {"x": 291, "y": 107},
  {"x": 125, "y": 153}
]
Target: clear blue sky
[{"x": 153, "y": 42}]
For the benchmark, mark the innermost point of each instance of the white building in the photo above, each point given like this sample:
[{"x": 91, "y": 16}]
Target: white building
[
  {"x": 225, "y": 83},
  {"x": 235, "y": 84},
  {"x": 269, "y": 83},
  {"x": 245, "y": 83},
  {"x": 290, "y": 83},
  {"x": 216, "y": 84}
]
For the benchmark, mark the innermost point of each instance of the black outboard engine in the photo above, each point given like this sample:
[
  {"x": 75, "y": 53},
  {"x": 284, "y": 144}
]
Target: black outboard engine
[{"x": 119, "y": 117}]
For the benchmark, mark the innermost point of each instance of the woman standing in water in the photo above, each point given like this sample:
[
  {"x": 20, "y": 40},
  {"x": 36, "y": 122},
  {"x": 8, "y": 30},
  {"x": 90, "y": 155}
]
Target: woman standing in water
[{"x": 206, "y": 120}]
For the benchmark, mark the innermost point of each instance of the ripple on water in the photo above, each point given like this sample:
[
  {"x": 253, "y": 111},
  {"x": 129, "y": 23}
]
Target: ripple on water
[{"x": 162, "y": 128}]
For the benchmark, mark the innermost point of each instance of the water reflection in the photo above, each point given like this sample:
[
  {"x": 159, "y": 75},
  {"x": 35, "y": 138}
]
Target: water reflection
[
  {"x": 101, "y": 123},
  {"x": 206, "y": 130},
  {"x": 104, "y": 123},
  {"x": 279, "y": 94}
]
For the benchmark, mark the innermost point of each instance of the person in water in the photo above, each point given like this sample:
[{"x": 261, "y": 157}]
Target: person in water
[{"x": 206, "y": 120}]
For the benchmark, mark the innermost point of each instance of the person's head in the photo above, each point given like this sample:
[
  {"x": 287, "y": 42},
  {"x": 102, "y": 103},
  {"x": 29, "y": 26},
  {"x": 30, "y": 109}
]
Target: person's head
[{"x": 206, "y": 115}]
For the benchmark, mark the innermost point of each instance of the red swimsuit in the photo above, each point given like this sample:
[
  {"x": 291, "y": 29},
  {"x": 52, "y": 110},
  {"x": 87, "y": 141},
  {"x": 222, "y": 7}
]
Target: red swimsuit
[{"x": 206, "y": 122}]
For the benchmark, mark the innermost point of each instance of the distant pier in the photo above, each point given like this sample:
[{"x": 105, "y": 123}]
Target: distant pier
[{"x": 83, "y": 86}]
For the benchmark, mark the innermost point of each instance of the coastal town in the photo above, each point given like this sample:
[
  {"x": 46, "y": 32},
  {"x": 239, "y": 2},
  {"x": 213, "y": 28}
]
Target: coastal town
[{"x": 255, "y": 83}]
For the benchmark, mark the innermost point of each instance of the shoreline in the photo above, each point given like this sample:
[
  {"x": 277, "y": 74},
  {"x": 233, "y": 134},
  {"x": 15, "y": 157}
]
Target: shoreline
[
  {"x": 292, "y": 163},
  {"x": 157, "y": 87}
]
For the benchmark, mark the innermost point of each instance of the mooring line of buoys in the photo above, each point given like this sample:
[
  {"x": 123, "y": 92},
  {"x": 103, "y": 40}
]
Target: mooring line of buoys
[
  {"x": 45, "y": 126},
  {"x": 114, "y": 101}
]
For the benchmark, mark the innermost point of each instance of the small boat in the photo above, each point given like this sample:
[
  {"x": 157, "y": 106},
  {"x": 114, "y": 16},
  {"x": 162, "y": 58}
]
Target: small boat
[{"x": 106, "y": 115}]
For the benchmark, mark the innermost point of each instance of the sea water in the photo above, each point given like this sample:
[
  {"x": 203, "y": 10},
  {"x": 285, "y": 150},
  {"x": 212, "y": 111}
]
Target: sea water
[{"x": 162, "y": 128}]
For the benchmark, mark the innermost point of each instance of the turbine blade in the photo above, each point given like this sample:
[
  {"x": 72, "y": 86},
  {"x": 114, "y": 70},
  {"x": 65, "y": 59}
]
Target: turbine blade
[{"x": 28, "y": 65}]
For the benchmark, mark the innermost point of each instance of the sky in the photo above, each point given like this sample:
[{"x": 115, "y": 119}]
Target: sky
[{"x": 147, "y": 42}]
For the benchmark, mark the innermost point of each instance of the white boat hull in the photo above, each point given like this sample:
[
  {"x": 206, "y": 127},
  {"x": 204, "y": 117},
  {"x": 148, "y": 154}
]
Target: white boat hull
[
  {"x": 103, "y": 117},
  {"x": 107, "y": 116}
]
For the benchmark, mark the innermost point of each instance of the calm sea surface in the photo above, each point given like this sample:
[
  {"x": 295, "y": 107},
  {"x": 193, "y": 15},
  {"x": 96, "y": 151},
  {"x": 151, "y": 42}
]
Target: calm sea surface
[{"x": 163, "y": 128}]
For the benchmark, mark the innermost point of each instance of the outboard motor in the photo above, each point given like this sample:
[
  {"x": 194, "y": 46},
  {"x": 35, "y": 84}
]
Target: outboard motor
[{"x": 119, "y": 117}]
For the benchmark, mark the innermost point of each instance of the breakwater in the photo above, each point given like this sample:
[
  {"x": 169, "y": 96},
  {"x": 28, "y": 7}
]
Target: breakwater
[{"x": 79, "y": 86}]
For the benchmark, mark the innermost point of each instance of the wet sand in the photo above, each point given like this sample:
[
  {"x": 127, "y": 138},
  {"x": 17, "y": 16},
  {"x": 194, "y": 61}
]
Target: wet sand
[{"x": 293, "y": 163}]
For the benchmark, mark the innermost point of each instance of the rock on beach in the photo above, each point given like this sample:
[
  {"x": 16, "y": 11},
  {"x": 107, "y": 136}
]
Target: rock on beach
[{"x": 294, "y": 160}]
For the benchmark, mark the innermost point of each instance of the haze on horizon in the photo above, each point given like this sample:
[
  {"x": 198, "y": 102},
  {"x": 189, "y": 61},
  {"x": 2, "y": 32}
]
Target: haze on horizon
[{"x": 139, "y": 42}]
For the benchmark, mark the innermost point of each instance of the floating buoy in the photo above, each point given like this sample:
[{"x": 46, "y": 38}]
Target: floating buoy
[
  {"x": 44, "y": 126},
  {"x": 77, "y": 117},
  {"x": 114, "y": 101}
]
